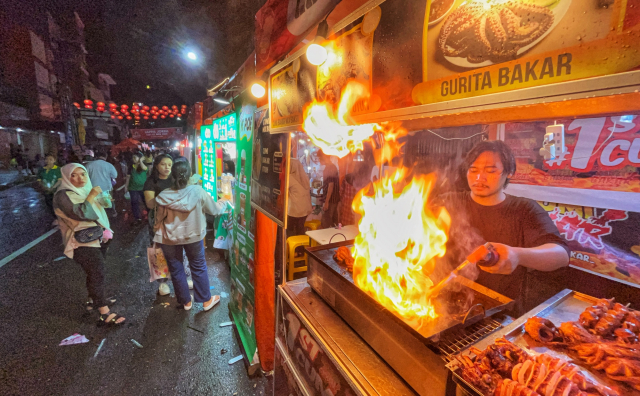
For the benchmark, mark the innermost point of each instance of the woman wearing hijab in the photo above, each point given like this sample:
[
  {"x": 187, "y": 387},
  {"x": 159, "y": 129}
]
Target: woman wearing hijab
[
  {"x": 181, "y": 227},
  {"x": 85, "y": 232}
]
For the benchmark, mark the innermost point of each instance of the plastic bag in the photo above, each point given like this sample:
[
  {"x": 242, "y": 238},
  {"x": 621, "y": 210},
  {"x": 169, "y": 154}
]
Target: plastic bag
[
  {"x": 127, "y": 195},
  {"x": 158, "y": 268}
]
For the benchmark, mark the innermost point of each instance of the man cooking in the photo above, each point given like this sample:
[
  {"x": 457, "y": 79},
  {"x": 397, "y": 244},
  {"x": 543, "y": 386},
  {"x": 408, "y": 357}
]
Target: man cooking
[{"x": 521, "y": 231}]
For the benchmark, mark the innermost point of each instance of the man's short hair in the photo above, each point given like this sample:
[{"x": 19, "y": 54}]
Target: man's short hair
[{"x": 495, "y": 146}]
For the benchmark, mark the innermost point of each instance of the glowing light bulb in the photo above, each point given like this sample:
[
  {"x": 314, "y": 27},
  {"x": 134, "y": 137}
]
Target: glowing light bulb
[
  {"x": 316, "y": 54},
  {"x": 258, "y": 89}
]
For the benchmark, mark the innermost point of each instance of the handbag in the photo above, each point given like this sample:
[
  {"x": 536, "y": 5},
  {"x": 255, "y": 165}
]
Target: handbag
[
  {"x": 88, "y": 234},
  {"x": 158, "y": 268}
]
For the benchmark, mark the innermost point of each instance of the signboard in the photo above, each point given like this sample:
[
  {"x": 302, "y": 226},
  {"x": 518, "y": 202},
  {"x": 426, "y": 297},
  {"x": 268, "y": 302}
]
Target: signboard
[
  {"x": 221, "y": 129},
  {"x": 291, "y": 88},
  {"x": 157, "y": 134},
  {"x": 605, "y": 242},
  {"x": 242, "y": 253},
  {"x": 422, "y": 52},
  {"x": 270, "y": 170}
]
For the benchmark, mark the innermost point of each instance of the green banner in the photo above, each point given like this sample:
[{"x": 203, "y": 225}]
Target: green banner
[{"x": 242, "y": 302}]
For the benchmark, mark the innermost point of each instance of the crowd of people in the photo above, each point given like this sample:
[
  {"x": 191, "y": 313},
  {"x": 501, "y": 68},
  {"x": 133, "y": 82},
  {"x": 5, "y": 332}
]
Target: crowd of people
[{"x": 80, "y": 192}]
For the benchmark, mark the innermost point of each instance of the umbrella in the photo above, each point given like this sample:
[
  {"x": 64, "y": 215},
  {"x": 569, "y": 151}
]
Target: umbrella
[{"x": 125, "y": 145}]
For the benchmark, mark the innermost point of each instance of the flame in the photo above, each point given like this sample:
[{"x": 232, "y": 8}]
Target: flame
[
  {"x": 330, "y": 130},
  {"x": 400, "y": 237}
]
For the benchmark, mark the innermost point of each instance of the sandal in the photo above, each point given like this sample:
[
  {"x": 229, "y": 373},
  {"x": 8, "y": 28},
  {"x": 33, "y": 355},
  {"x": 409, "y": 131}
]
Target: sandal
[
  {"x": 214, "y": 300},
  {"x": 89, "y": 304},
  {"x": 102, "y": 320}
]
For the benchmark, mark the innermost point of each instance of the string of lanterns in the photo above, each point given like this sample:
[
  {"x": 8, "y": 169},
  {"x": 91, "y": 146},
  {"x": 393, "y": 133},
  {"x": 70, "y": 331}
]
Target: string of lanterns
[{"x": 137, "y": 111}]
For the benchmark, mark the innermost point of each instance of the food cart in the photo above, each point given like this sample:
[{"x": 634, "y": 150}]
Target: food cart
[{"x": 533, "y": 66}]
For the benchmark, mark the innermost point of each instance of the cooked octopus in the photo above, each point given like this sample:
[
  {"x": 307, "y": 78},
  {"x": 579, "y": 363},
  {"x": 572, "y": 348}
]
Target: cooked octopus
[
  {"x": 623, "y": 370},
  {"x": 573, "y": 372},
  {"x": 501, "y": 356},
  {"x": 594, "y": 353},
  {"x": 544, "y": 380},
  {"x": 513, "y": 388},
  {"x": 481, "y": 377},
  {"x": 495, "y": 34},
  {"x": 541, "y": 329}
]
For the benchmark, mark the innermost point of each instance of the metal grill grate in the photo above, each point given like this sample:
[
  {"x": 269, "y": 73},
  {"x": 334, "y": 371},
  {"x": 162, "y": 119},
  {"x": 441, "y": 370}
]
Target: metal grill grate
[{"x": 452, "y": 343}]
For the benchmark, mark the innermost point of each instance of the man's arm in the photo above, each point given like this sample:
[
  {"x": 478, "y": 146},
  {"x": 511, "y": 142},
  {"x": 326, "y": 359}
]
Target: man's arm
[
  {"x": 547, "y": 257},
  {"x": 142, "y": 165},
  {"x": 150, "y": 199},
  {"x": 126, "y": 183},
  {"x": 325, "y": 206}
]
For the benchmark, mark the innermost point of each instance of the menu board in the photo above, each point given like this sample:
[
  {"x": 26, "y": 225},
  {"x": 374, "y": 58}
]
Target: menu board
[
  {"x": 270, "y": 170},
  {"x": 221, "y": 130},
  {"x": 241, "y": 255}
]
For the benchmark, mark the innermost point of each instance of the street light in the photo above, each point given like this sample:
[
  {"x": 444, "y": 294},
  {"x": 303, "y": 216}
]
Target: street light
[
  {"x": 316, "y": 53},
  {"x": 192, "y": 55}
]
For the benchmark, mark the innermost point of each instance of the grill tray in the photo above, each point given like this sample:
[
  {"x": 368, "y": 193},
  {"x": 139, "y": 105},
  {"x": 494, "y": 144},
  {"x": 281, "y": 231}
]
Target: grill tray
[{"x": 415, "y": 354}]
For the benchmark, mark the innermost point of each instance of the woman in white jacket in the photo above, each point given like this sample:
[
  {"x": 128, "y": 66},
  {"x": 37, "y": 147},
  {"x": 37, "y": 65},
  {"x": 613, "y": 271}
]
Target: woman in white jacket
[{"x": 181, "y": 227}]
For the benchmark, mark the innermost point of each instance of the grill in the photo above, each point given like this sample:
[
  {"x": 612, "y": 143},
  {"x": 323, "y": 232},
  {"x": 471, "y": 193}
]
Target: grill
[{"x": 415, "y": 354}]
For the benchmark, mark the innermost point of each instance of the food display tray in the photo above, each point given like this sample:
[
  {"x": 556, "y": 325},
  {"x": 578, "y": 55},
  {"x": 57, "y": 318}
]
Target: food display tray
[{"x": 565, "y": 306}]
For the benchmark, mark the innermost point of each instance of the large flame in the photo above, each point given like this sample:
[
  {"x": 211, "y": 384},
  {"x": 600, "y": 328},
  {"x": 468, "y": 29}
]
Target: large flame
[
  {"x": 331, "y": 130},
  {"x": 400, "y": 237},
  {"x": 399, "y": 241}
]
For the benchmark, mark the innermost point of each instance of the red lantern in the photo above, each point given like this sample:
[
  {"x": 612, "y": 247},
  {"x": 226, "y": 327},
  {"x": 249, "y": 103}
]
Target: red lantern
[
  {"x": 137, "y": 117},
  {"x": 113, "y": 117},
  {"x": 117, "y": 112},
  {"x": 124, "y": 106},
  {"x": 171, "y": 115},
  {"x": 165, "y": 108},
  {"x": 128, "y": 117},
  {"x": 100, "y": 104},
  {"x": 184, "y": 106},
  {"x": 174, "y": 107},
  {"x": 184, "y": 111},
  {"x": 76, "y": 104},
  {"x": 100, "y": 109},
  {"x": 155, "y": 117},
  {"x": 88, "y": 102},
  {"x": 135, "y": 107},
  {"x": 145, "y": 108},
  {"x": 112, "y": 105},
  {"x": 120, "y": 117},
  {"x": 146, "y": 117},
  {"x": 163, "y": 116},
  {"x": 154, "y": 108},
  {"x": 88, "y": 107}
]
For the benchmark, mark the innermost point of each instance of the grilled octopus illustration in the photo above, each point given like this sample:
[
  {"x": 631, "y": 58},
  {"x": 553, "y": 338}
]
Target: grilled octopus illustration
[{"x": 496, "y": 33}]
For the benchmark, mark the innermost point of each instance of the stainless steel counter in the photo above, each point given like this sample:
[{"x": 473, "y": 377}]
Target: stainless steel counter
[{"x": 365, "y": 371}]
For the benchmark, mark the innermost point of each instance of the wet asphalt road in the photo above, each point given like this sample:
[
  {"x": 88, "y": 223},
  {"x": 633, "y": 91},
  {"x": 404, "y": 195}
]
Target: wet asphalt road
[{"x": 40, "y": 305}]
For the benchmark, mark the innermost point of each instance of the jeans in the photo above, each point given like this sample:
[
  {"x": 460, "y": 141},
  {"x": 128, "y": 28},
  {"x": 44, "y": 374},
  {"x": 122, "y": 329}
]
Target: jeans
[
  {"x": 195, "y": 253},
  {"x": 91, "y": 259},
  {"x": 137, "y": 202}
]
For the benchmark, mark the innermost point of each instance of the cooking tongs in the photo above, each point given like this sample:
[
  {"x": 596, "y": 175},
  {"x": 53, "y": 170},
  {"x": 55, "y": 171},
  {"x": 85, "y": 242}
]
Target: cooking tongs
[{"x": 485, "y": 256}]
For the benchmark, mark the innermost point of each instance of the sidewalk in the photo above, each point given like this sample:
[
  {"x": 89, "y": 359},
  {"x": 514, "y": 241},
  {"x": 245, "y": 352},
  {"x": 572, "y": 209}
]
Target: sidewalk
[{"x": 12, "y": 177}]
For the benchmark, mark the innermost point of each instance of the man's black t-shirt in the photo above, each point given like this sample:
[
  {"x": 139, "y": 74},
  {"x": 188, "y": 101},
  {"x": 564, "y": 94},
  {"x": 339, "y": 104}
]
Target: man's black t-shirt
[
  {"x": 516, "y": 222},
  {"x": 159, "y": 186}
]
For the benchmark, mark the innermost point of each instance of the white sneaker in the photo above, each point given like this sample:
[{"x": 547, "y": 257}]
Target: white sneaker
[
  {"x": 163, "y": 289},
  {"x": 190, "y": 282}
]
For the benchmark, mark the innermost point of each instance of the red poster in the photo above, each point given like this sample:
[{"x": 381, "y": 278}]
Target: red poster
[
  {"x": 157, "y": 134},
  {"x": 603, "y": 241},
  {"x": 601, "y": 154}
]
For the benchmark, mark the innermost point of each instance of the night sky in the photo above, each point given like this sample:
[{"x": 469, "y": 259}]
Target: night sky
[{"x": 144, "y": 42}]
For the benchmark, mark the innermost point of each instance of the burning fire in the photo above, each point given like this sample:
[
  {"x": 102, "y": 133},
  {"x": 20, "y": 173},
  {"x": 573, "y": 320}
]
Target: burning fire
[
  {"x": 400, "y": 237},
  {"x": 332, "y": 132},
  {"x": 399, "y": 241}
]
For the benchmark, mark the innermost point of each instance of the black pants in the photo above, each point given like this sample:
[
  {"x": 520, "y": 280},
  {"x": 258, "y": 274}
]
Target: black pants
[
  {"x": 295, "y": 225},
  {"x": 330, "y": 216},
  {"x": 48, "y": 200},
  {"x": 91, "y": 259}
]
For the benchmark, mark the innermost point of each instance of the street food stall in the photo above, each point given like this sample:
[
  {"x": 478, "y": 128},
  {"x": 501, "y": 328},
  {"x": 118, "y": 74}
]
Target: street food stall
[
  {"x": 412, "y": 86},
  {"x": 217, "y": 150}
]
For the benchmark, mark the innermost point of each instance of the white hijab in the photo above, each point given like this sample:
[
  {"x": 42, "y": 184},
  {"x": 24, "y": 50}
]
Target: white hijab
[{"x": 81, "y": 193}]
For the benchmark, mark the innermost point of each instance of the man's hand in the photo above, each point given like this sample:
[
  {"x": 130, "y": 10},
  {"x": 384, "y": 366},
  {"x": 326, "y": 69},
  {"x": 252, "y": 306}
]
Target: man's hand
[{"x": 508, "y": 262}]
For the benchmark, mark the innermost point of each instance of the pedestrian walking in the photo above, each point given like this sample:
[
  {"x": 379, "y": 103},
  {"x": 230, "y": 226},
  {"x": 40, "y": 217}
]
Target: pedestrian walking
[
  {"x": 49, "y": 177},
  {"x": 181, "y": 226},
  {"x": 136, "y": 177},
  {"x": 86, "y": 234},
  {"x": 103, "y": 174},
  {"x": 160, "y": 180}
]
